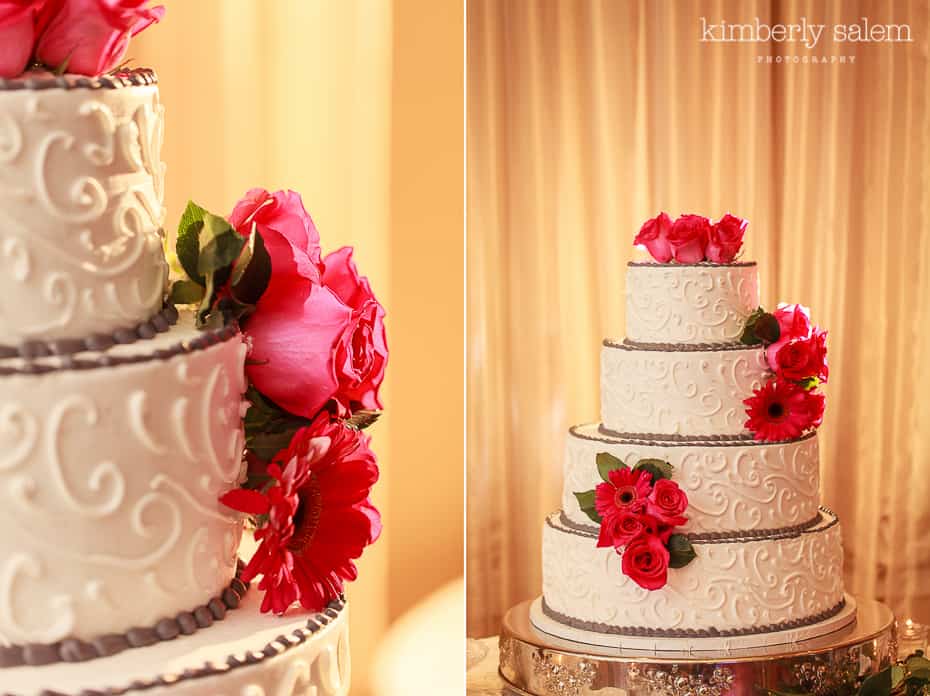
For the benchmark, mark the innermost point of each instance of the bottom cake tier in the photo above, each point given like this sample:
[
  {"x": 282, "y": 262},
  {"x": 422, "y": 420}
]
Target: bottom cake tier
[
  {"x": 247, "y": 654},
  {"x": 734, "y": 587}
]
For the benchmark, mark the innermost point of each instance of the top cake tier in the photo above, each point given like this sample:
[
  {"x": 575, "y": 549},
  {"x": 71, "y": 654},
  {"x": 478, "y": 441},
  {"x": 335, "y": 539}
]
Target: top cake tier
[
  {"x": 689, "y": 303},
  {"x": 81, "y": 205}
]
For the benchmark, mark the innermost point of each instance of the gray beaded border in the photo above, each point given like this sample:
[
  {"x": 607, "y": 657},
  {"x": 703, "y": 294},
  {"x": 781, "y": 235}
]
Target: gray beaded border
[
  {"x": 278, "y": 646},
  {"x": 737, "y": 536},
  {"x": 710, "y": 632},
  {"x": 702, "y": 264},
  {"x": 628, "y": 345},
  {"x": 137, "y": 77},
  {"x": 30, "y": 350},
  {"x": 71, "y": 363},
  {"x": 665, "y": 440},
  {"x": 77, "y": 650}
]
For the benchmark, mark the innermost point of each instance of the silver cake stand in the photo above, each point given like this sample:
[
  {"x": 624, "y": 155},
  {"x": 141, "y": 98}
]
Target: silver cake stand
[{"x": 534, "y": 663}]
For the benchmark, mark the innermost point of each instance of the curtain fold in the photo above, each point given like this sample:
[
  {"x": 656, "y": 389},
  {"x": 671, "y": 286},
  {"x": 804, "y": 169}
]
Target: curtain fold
[{"x": 586, "y": 118}]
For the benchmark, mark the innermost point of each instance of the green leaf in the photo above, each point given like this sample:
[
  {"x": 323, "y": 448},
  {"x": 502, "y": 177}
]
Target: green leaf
[
  {"x": 748, "y": 336},
  {"x": 586, "y": 503},
  {"x": 606, "y": 462},
  {"x": 187, "y": 246},
  {"x": 186, "y": 292},
  {"x": 680, "y": 551},
  {"x": 767, "y": 329},
  {"x": 809, "y": 383},
  {"x": 252, "y": 271},
  {"x": 882, "y": 683},
  {"x": 220, "y": 245},
  {"x": 268, "y": 427},
  {"x": 658, "y": 468},
  {"x": 362, "y": 419}
]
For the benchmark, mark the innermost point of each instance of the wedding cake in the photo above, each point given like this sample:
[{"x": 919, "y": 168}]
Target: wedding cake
[
  {"x": 690, "y": 515},
  {"x": 121, "y": 426}
]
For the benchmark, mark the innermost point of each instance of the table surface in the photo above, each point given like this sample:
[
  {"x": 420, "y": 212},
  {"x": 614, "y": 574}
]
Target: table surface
[{"x": 481, "y": 677}]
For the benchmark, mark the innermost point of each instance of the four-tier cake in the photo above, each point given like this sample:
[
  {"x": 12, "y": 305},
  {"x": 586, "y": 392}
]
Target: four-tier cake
[{"x": 725, "y": 540}]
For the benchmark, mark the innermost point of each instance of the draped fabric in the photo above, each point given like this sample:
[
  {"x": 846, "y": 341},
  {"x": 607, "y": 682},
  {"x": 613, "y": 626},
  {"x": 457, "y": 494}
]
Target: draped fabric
[
  {"x": 327, "y": 98},
  {"x": 586, "y": 118}
]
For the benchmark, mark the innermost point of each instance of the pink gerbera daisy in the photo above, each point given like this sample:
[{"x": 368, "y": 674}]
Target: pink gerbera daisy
[
  {"x": 625, "y": 492},
  {"x": 316, "y": 514},
  {"x": 781, "y": 410}
]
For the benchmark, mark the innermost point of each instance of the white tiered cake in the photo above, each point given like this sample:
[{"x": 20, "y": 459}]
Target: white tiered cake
[
  {"x": 120, "y": 425},
  {"x": 768, "y": 560}
]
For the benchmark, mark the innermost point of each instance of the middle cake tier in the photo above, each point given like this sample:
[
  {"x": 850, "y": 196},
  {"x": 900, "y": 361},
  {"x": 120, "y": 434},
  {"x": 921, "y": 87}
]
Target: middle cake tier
[
  {"x": 685, "y": 390},
  {"x": 733, "y": 485}
]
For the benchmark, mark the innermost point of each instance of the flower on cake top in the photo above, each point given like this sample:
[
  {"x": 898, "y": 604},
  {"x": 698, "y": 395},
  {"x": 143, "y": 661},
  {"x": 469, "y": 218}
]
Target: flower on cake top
[
  {"x": 317, "y": 516},
  {"x": 637, "y": 510},
  {"x": 316, "y": 360},
  {"x": 788, "y": 404},
  {"x": 84, "y": 37},
  {"x": 692, "y": 238}
]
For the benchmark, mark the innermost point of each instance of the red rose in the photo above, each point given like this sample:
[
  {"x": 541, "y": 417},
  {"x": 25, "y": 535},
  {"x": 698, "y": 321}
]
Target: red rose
[
  {"x": 620, "y": 529},
  {"x": 298, "y": 326},
  {"x": 667, "y": 503},
  {"x": 645, "y": 562},
  {"x": 654, "y": 236},
  {"x": 802, "y": 358},
  {"x": 361, "y": 352},
  {"x": 794, "y": 321},
  {"x": 17, "y": 34},
  {"x": 725, "y": 239},
  {"x": 90, "y": 37},
  {"x": 688, "y": 238}
]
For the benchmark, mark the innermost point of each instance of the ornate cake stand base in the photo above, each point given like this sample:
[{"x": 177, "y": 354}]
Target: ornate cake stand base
[{"x": 538, "y": 664}]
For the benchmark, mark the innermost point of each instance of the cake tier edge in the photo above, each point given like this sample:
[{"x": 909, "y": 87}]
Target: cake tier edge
[
  {"x": 732, "y": 587},
  {"x": 734, "y": 486}
]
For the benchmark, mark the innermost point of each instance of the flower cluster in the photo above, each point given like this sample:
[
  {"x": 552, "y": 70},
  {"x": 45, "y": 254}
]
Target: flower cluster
[
  {"x": 317, "y": 357},
  {"x": 84, "y": 37},
  {"x": 796, "y": 351},
  {"x": 638, "y": 509},
  {"x": 692, "y": 238}
]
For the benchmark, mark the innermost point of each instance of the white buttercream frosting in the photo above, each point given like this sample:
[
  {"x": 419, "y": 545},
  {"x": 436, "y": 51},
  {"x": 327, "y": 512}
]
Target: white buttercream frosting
[
  {"x": 679, "y": 392},
  {"x": 109, "y": 479},
  {"x": 731, "y": 486},
  {"x": 669, "y": 303},
  {"x": 731, "y": 586},
  {"x": 81, "y": 211}
]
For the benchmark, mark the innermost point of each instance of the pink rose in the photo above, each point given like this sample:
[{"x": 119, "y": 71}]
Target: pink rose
[
  {"x": 794, "y": 321},
  {"x": 90, "y": 37},
  {"x": 667, "y": 503},
  {"x": 802, "y": 358},
  {"x": 362, "y": 351},
  {"x": 17, "y": 34},
  {"x": 726, "y": 239},
  {"x": 299, "y": 324},
  {"x": 645, "y": 562},
  {"x": 688, "y": 238},
  {"x": 654, "y": 236}
]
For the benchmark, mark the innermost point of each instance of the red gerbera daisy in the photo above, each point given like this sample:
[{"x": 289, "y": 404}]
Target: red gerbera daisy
[
  {"x": 625, "y": 492},
  {"x": 781, "y": 410},
  {"x": 319, "y": 516}
]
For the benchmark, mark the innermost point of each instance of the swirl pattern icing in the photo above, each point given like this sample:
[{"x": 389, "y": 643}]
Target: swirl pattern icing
[
  {"x": 729, "y": 586},
  {"x": 109, "y": 502},
  {"x": 692, "y": 393},
  {"x": 81, "y": 211},
  {"x": 689, "y": 304},
  {"x": 731, "y": 487}
]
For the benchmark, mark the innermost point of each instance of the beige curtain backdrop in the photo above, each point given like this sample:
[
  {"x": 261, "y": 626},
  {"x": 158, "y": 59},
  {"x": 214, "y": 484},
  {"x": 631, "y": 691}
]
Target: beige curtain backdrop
[
  {"x": 357, "y": 105},
  {"x": 586, "y": 117}
]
